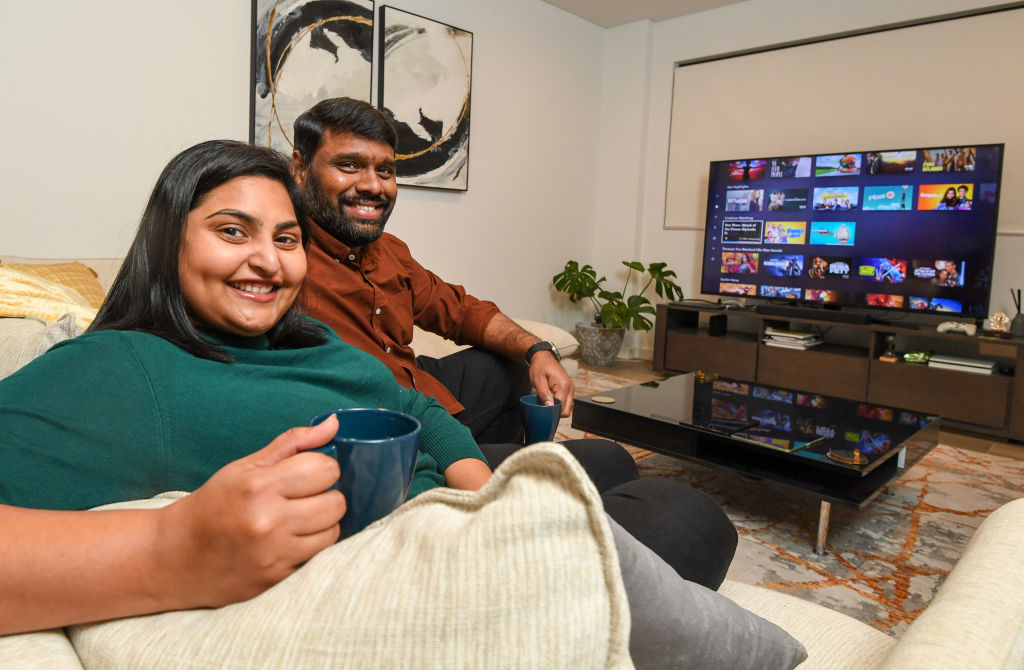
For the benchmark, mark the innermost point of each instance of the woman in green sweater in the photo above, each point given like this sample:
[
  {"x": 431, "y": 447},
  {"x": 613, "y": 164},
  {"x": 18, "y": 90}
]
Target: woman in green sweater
[{"x": 198, "y": 356}]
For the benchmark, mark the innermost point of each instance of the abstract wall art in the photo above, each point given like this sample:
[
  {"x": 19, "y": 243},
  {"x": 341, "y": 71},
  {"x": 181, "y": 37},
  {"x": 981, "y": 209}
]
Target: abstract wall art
[
  {"x": 425, "y": 86},
  {"x": 305, "y": 51}
]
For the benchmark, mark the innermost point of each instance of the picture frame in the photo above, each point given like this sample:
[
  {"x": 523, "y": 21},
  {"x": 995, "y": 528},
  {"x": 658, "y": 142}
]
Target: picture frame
[
  {"x": 425, "y": 87},
  {"x": 304, "y": 51}
]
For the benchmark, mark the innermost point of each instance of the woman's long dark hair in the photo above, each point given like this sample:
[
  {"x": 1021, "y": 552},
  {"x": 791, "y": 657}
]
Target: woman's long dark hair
[{"x": 146, "y": 295}]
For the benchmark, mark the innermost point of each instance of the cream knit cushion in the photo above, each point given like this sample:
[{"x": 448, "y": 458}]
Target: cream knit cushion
[{"x": 521, "y": 574}]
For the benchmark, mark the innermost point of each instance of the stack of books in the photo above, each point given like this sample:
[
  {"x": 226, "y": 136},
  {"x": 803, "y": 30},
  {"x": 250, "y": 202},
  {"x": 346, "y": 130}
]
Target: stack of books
[
  {"x": 975, "y": 365},
  {"x": 791, "y": 339}
]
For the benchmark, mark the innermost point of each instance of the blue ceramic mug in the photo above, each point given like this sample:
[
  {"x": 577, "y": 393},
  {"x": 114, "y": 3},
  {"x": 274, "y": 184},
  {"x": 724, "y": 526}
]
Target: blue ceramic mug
[
  {"x": 539, "y": 420},
  {"x": 376, "y": 450}
]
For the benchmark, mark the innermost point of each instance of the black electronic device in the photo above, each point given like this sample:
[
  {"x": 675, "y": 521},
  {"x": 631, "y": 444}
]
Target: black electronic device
[{"x": 895, "y": 229}]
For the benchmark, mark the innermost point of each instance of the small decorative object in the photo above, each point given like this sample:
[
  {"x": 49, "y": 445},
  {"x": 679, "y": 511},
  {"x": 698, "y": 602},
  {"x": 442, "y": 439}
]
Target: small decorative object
[
  {"x": 850, "y": 457},
  {"x": 303, "y": 52},
  {"x": 1017, "y": 325},
  {"x": 425, "y": 85},
  {"x": 614, "y": 312},
  {"x": 702, "y": 376},
  {"x": 917, "y": 357},
  {"x": 889, "y": 354}
]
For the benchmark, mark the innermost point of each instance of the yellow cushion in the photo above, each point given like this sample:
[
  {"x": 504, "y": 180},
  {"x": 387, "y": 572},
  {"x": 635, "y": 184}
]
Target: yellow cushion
[
  {"x": 74, "y": 275},
  {"x": 25, "y": 294}
]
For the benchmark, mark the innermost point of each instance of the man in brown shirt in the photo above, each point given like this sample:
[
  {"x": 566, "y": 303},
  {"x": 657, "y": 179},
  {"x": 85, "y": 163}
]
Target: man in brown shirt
[{"x": 366, "y": 285}]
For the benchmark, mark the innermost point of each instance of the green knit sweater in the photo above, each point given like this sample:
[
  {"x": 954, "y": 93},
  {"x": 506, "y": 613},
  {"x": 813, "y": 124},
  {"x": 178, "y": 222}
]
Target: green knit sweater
[{"x": 116, "y": 415}]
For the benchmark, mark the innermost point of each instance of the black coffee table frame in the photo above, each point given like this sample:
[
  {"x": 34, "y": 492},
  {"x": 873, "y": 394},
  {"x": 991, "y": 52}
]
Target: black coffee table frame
[{"x": 809, "y": 469}]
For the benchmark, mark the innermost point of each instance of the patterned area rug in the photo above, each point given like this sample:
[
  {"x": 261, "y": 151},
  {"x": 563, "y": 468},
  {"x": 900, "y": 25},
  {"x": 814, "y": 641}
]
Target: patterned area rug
[{"x": 882, "y": 564}]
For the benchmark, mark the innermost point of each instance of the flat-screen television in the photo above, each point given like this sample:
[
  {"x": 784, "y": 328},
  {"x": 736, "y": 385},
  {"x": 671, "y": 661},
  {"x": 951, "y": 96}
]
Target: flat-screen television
[{"x": 895, "y": 229}]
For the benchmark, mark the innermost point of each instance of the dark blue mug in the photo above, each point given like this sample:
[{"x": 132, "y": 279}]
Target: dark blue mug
[
  {"x": 376, "y": 450},
  {"x": 539, "y": 420}
]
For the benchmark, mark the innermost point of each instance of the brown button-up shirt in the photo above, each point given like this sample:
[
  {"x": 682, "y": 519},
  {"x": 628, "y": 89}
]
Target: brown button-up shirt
[{"x": 373, "y": 298}]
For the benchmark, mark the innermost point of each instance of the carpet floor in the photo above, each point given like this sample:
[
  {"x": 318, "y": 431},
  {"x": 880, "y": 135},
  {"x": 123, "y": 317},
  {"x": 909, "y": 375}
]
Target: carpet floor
[{"x": 882, "y": 564}]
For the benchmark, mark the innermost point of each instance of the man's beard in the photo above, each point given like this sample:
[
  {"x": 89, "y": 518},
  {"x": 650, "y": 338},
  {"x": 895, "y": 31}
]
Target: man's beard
[{"x": 332, "y": 218}]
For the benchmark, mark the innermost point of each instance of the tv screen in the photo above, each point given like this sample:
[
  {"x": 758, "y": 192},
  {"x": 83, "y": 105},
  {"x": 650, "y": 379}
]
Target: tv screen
[{"x": 897, "y": 229}]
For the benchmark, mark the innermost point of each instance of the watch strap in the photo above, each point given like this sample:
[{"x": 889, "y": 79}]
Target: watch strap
[{"x": 542, "y": 346}]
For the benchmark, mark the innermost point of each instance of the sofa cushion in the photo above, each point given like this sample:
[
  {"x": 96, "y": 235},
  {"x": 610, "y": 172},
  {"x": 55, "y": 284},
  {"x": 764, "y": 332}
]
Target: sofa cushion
[
  {"x": 72, "y": 274},
  {"x": 22, "y": 339},
  {"x": 25, "y": 294},
  {"x": 522, "y": 573},
  {"x": 833, "y": 640},
  {"x": 425, "y": 343}
]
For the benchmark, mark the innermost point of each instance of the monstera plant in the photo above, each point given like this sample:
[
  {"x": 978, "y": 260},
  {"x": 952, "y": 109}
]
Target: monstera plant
[{"x": 614, "y": 311}]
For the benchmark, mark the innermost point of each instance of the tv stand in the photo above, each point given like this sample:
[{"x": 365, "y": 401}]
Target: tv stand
[
  {"x": 812, "y": 313},
  {"x": 848, "y": 363}
]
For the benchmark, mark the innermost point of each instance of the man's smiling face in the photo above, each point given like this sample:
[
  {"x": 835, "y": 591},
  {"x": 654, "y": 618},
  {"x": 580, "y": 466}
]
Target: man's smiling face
[{"x": 349, "y": 186}]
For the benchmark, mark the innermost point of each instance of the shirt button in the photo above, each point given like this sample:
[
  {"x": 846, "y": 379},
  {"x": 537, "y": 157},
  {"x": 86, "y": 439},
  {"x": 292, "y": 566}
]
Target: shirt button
[
  {"x": 387, "y": 350},
  {"x": 377, "y": 311},
  {"x": 351, "y": 257}
]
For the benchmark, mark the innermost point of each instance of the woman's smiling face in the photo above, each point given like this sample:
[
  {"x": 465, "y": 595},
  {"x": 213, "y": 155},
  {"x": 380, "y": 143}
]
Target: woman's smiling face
[{"x": 242, "y": 261}]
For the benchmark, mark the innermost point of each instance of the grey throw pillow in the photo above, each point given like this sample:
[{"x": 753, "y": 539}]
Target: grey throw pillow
[{"x": 680, "y": 625}]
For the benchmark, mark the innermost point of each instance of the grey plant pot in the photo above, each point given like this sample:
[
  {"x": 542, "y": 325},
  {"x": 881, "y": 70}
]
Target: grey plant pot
[{"x": 599, "y": 345}]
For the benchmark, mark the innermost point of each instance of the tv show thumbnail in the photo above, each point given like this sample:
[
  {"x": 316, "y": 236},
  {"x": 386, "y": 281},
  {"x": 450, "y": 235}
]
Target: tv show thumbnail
[
  {"x": 842, "y": 233},
  {"x": 838, "y": 199},
  {"x": 787, "y": 292},
  {"x": 883, "y": 300},
  {"x": 794, "y": 166},
  {"x": 891, "y": 270},
  {"x": 945, "y": 197},
  {"x": 935, "y": 304},
  {"x": 870, "y": 444},
  {"x": 742, "y": 231},
  {"x": 951, "y": 159},
  {"x": 888, "y": 198},
  {"x": 783, "y": 265},
  {"x": 731, "y": 288},
  {"x": 987, "y": 193},
  {"x": 874, "y": 412},
  {"x": 777, "y": 395},
  {"x": 787, "y": 199},
  {"x": 770, "y": 417},
  {"x": 940, "y": 273},
  {"x": 744, "y": 170},
  {"x": 837, "y": 165},
  {"x": 830, "y": 267},
  {"x": 729, "y": 386},
  {"x": 825, "y": 295},
  {"x": 721, "y": 409},
  {"x": 739, "y": 263},
  {"x": 744, "y": 199},
  {"x": 811, "y": 400},
  {"x": 785, "y": 232},
  {"x": 889, "y": 162}
]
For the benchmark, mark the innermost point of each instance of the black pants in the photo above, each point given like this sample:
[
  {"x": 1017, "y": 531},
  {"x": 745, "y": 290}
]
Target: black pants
[
  {"x": 682, "y": 525},
  {"x": 685, "y": 527},
  {"x": 489, "y": 387}
]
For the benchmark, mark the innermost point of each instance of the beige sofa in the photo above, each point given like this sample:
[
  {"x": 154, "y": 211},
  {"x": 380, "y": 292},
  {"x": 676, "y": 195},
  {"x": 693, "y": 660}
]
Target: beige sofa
[{"x": 976, "y": 620}]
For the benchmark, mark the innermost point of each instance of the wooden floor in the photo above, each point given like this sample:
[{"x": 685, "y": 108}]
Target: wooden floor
[{"x": 641, "y": 371}]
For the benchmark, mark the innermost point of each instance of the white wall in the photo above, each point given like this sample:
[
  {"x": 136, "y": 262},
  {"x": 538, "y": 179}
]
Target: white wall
[
  {"x": 100, "y": 95},
  {"x": 751, "y": 24}
]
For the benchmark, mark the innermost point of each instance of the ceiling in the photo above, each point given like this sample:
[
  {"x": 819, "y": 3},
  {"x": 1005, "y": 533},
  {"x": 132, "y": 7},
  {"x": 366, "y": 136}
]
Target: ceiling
[{"x": 611, "y": 13}]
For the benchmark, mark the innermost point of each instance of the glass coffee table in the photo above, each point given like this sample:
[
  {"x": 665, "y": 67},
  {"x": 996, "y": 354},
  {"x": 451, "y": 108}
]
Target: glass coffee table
[{"x": 841, "y": 451}]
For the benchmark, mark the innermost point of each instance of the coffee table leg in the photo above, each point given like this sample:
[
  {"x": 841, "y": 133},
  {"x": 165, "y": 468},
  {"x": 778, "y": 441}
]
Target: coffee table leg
[{"x": 819, "y": 546}]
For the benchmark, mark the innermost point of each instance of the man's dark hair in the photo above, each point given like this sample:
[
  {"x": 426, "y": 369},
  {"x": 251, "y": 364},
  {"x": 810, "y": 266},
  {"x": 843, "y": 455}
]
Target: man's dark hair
[
  {"x": 146, "y": 295},
  {"x": 341, "y": 115}
]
